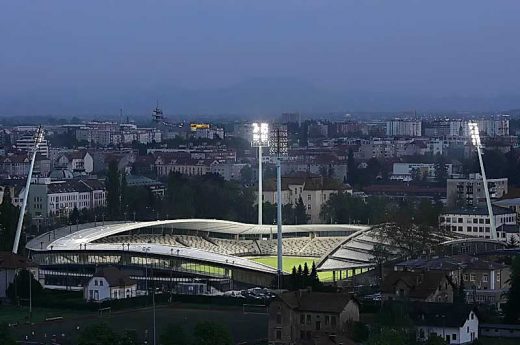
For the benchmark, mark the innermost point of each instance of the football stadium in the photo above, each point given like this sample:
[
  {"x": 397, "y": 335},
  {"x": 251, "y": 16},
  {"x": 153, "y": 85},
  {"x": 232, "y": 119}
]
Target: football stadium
[{"x": 221, "y": 255}]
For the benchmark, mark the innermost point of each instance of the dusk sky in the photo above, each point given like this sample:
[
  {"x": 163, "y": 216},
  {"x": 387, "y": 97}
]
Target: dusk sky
[{"x": 72, "y": 57}]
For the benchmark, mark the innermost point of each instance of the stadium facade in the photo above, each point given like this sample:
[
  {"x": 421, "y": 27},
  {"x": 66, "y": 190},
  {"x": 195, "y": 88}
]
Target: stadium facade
[{"x": 170, "y": 252}]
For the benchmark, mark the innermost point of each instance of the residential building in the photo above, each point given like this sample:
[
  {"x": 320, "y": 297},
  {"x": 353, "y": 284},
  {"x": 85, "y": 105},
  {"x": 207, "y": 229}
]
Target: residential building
[
  {"x": 470, "y": 191},
  {"x": 313, "y": 190},
  {"x": 418, "y": 171},
  {"x": 18, "y": 164},
  {"x": 484, "y": 281},
  {"x": 455, "y": 323},
  {"x": 78, "y": 161},
  {"x": 59, "y": 198},
  {"x": 404, "y": 128},
  {"x": 299, "y": 316},
  {"x": 26, "y": 144},
  {"x": 491, "y": 127},
  {"x": 109, "y": 283},
  {"x": 475, "y": 221},
  {"x": 427, "y": 286},
  {"x": 499, "y": 330},
  {"x": 166, "y": 164}
]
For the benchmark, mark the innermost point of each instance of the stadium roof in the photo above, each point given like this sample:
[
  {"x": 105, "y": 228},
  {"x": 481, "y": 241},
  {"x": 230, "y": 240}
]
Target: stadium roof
[{"x": 74, "y": 238}]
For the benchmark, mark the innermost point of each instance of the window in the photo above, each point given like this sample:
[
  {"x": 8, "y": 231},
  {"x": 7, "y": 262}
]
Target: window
[
  {"x": 472, "y": 277},
  {"x": 465, "y": 277},
  {"x": 454, "y": 336},
  {"x": 485, "y": 278},
  {"x": 101, "y": 283},
  {"x": 278, "y": 318},
  {"x": 278, "y": 334},
  {"x": 471, "y": 316},
  {"x": 333, "y": 321},
  {"x": 327, "y": 319},
  {"x": 309, "y": 197},
  {"x": 308, "y": 319},
  {"x": 481, "y": 221},
  {"x": 318, "y": 325},
  {"x": 460, "y": 220},
  {"x": 96, "y": 282},
  {"x": 302, "y": 319}
]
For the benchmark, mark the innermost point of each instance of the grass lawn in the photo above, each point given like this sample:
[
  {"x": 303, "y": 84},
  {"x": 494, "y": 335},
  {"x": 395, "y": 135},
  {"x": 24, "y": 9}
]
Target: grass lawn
[
  {"x": 12, "y": 314},
  {"x": 289, "y": 262}
]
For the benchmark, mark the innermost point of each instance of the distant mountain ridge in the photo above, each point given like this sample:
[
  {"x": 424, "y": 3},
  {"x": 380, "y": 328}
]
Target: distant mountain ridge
[{"x": 253, "y": 97}]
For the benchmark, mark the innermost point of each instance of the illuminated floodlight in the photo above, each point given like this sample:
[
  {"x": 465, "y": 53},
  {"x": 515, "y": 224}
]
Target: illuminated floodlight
[
  {"x": 260, "y": 135},
  {"x": 475, "y": 139},
  {"x": 474, "y": 134},
  {"x": 278, "y": 141}
]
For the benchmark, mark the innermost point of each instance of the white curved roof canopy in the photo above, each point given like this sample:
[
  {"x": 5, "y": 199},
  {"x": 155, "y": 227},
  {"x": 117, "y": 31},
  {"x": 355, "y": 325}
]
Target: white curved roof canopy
[{"x": 74, "y": 238}]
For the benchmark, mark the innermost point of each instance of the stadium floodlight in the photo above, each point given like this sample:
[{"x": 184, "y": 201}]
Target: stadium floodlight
[
  {"x": 38, "y": 138},
  {"x": 260, "y": 140},
  {"x": 475, "y": 139},
  {"x": 278, "y": 148}
]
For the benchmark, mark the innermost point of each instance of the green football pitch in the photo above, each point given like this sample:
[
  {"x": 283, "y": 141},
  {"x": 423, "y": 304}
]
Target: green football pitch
[{"x": 289, "y": 262}]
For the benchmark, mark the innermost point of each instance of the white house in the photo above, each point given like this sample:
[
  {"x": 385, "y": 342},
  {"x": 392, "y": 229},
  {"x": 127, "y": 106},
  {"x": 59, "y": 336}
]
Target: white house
[
  {"x": 455, "y": 323},
  {"x": 109, "y": 283}
]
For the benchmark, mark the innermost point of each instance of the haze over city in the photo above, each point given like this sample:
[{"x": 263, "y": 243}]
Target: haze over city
[{"x": 218, "y": 57}]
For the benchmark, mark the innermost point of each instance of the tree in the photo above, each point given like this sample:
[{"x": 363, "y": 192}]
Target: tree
[
  {"x": 8, "y": 221},
  {"x": 173, "y": 335},
  {"x": 388, "y": 336},
  {"x": 460, "y": 296},
  {"x": 441, "y": 170},
  {"x": 97, "y": 334},
  {"x": 246, "y": 175},
  {"x": 124, "y": 194},
  {"x": 20, "y": 286},
  {"x": 300, "y": 213},
  {"x": 305, "y": 274},
  {"x": 74, "y": 216},
  {"x": 5, "y": 335},
  {"x": 210, "y": 333},
  {"x": 314, "y": 280},
  {"x": 351, "y": 168},
  {"x": 113, "y": 186},
  {"x": 512, "y": 307}
]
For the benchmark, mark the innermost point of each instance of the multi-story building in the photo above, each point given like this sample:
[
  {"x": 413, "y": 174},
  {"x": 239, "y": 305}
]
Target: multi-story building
[
  {"x": 409, "y": 171},
  {"x": 19, "y": 164},
  {"x": 299, "y": 316},
  {"x": 470, "y": 191},
  {"x": 59, "y": 198},
  {"x": 484, "y": 281},
  {"x": 313, "y": 190},
  {"x": 404, "y": 128},
  {"x": 493, "y": 127},
  {"x": 427, "y": 286},
  {"x": 78, "y": 161},
  {"x": 166, "y": 164},
  {"x": 26, "y": 144},
  {"x": 475, "y": 221}
]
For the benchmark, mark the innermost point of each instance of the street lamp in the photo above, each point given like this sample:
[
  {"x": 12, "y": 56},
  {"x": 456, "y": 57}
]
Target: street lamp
[
  {"x": 260, "y": 140},
  {"x": 278, "y": 148},
  {"x": 475, "y": 139}
]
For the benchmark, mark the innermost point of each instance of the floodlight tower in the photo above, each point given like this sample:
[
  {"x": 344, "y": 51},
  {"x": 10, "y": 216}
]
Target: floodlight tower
[
  {"x": 38, "y": 138},
  {"x": 278, "y": 147},
  {"x": 260, "y": 140},
  {"x": 475, "y": 139}
]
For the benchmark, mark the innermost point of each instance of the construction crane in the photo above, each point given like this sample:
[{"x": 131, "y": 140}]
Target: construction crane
[{"x": 38, "y": 138}]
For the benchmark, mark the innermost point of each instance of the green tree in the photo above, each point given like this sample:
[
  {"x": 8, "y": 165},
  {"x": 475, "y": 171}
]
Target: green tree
[
  {"x": 74, "y": 216},
  {"x": 300, "y": 213},
  {"x": 388, "y": 336},
  {"x": 512, "y": 307},
  {"x": 211, "y": 333},
  {"x": 5, "y": 335},
  {"x": 441, "y": 170},
  {"x": 351, "y": 168},
  {"x": 124, "y": 195},
  {"x": 113, "y": 186},
  {"x": 314, "y": 280},
  {"x": 20, "y": 286},
  {"x": 97, "y": 334},
  {"x": 8, "y": 221},
  {"x": 173, "y": 335},
  {"x": 460, "y": 296}
]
